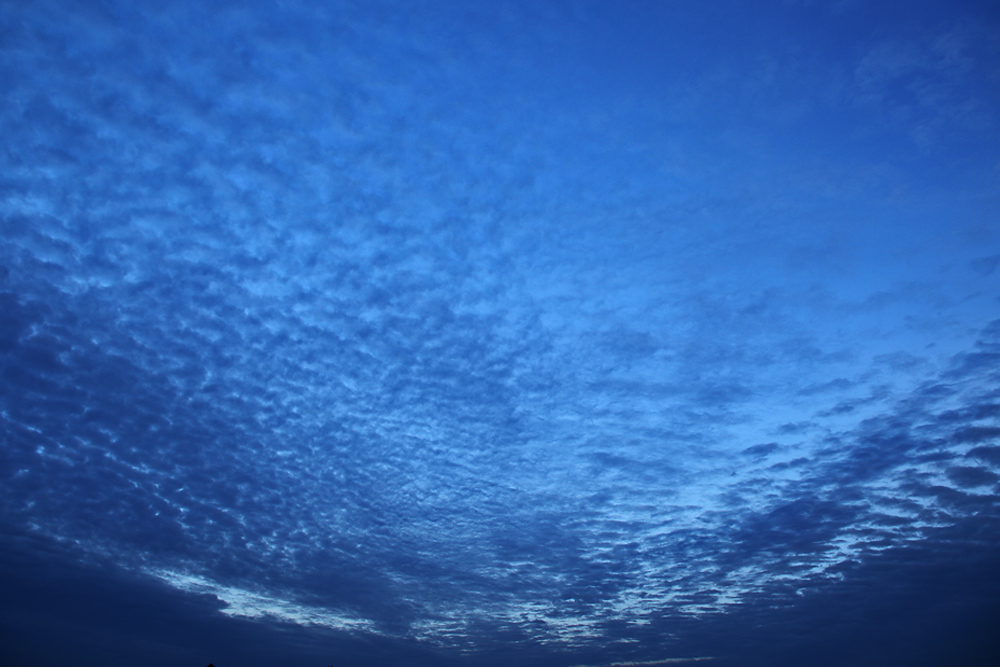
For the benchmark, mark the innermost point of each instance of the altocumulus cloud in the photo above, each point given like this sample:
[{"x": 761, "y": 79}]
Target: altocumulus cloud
[{"x": 549, "y": 332}]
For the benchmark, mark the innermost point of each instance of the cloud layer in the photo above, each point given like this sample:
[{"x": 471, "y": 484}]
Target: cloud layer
[{"x": 467, "y": 327}]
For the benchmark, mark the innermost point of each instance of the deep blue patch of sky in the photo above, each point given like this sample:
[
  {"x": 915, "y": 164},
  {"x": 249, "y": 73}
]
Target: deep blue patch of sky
[{"x": 454, "y": 333}]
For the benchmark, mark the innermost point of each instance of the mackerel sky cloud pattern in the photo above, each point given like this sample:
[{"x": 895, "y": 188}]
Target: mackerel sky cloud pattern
[{"x": 456, "y": 333}]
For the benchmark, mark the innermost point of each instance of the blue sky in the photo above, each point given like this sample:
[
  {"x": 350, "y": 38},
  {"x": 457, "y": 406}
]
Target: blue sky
[{"x": 453, "y": 333}]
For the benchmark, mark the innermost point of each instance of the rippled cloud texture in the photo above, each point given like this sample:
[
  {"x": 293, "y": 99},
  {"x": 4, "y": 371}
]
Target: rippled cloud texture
[{"x": 537, "y": 333}]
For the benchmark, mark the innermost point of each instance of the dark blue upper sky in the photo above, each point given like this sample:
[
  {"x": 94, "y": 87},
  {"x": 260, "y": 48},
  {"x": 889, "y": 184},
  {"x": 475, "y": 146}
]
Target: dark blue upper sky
[{"x": 456, "y": 333}]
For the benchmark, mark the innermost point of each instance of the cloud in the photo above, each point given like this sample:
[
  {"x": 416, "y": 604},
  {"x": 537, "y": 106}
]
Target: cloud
[
  {"x": 986, "y": 453},
  {"x": 984, "y": 266},
  {"x": 391, "y": 326},
  {"x": 928, "y": 82},
  {"x": 62, "y": 607},
  {"x": 968, "y": 477}
]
